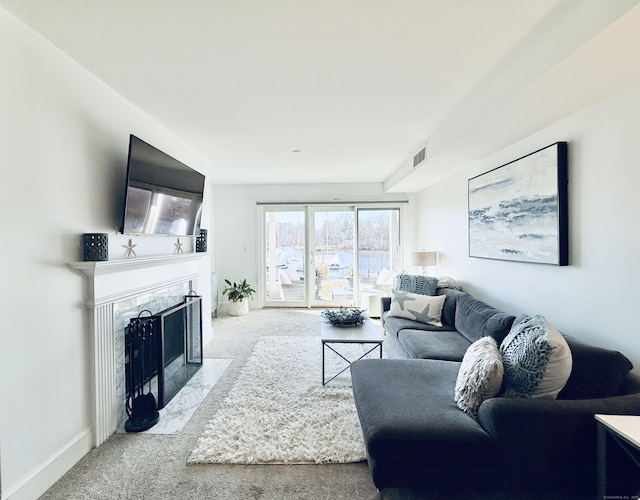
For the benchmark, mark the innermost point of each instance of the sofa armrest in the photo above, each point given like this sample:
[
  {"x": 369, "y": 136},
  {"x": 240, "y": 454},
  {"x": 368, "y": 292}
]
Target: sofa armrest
[
  {"x": 385, "y": 304},
  {"x": 551, "y": 439}
]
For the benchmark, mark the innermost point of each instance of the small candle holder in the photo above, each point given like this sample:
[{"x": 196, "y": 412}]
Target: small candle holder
[
  {"x": 201, "y": 241},
  {"x": 95, "y": 247}
]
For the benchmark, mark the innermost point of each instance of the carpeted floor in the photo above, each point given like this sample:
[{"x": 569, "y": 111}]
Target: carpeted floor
[
  {"x": 138, "y": 466},
  {"x": 154, "y": 467}
]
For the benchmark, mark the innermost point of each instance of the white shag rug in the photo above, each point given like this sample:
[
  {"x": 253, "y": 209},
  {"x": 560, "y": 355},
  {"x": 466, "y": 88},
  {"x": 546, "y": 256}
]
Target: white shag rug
[{"x": 278, "y": 411}]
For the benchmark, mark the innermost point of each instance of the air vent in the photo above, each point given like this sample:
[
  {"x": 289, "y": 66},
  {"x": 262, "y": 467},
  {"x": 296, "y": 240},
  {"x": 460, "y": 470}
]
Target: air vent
[{"x": 419, "y": 157}]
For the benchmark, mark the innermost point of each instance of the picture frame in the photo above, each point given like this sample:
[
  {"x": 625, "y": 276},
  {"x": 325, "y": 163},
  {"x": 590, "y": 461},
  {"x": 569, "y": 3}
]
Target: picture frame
[{"x": 519, "y": 210}]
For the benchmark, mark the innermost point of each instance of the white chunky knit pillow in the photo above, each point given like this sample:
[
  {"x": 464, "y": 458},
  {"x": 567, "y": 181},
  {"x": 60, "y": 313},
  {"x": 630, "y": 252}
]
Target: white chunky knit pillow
[{"x": 480, "y": 375}]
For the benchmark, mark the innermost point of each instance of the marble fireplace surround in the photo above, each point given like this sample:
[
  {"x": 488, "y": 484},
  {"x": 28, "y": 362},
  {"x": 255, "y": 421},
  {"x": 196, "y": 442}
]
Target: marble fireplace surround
[{"x": 111, "y": 288}]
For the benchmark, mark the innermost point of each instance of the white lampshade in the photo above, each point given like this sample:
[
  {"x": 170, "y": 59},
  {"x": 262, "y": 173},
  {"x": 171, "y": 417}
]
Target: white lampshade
[{"x": 424, "y": 258}]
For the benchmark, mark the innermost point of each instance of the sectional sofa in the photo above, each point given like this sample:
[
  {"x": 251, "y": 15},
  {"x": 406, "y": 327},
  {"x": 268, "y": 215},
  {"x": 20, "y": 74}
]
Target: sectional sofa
[{"x": 532, "y": 439}]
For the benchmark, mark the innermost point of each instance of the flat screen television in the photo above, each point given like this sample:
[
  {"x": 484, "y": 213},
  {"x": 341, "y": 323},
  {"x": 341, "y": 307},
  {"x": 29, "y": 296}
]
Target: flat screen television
[{"x": 162, "y": 195}]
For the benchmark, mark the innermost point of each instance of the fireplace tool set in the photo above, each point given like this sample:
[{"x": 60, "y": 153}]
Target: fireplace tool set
[{"x": 141, "y": 407}]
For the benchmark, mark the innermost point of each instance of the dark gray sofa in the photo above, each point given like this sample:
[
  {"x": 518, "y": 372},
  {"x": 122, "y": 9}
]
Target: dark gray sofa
[{"x": 416, "y": 436}]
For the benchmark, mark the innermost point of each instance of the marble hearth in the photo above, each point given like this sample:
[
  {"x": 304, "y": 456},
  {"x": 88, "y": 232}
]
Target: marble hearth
[{"x": 115, "y": 292}]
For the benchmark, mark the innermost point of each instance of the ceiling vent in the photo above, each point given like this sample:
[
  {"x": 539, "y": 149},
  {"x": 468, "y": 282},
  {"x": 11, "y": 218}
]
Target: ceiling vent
[{"x": 419, "y": 157}]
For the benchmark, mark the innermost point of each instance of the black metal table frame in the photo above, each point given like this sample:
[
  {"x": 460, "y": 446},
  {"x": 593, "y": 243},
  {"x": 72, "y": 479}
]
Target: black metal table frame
[
  {"x": 604, "y": 434},
  {"x": 325, "y": 343}
]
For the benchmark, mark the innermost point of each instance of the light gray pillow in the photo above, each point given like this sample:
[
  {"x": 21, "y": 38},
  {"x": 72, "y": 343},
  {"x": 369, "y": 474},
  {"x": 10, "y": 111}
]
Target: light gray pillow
[
  {"x": 537, "y": 360},
  {"x": 480, "y": 375},
  {"x": 423, "y": 308}
]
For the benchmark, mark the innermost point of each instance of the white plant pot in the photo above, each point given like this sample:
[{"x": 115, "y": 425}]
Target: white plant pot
[{"x": 239, "y": 308}]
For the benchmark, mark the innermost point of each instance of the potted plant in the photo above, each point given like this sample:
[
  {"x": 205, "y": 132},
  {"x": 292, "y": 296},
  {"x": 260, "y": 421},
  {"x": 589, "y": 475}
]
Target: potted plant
[{"x": 239, "y": 294}]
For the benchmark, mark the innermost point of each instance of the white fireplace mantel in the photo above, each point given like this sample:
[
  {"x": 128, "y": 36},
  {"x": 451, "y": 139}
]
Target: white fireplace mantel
[
  {"x": 109, "y": 282},
  {"x": 105, "y": 278}
]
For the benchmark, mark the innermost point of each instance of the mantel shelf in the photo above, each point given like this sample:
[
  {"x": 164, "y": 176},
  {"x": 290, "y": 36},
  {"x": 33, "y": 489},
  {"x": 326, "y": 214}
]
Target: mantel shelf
[{"x": 95, "y": 268}]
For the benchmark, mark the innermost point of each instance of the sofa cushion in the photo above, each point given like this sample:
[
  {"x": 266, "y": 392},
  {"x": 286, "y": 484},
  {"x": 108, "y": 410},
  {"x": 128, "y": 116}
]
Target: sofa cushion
[
  {"x": 408, "y": 415},
  {"x": 474, "y": 319},
  {"x": 418, "y": 307},
  {"x": 442, "y": 344},
  {"x": 596, "y": 372},
  {"x": 449, "y": 309},
  {"x": 393, "y": 325},
  {"x": 537, "y": 360},
  {"x": 414, "y": 283},
  {"x": 480, "y": 375}
]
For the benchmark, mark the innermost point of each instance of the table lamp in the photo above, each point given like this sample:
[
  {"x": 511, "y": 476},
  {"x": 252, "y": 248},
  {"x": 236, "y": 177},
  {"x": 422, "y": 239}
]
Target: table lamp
[{"x": 424, "y": 258}]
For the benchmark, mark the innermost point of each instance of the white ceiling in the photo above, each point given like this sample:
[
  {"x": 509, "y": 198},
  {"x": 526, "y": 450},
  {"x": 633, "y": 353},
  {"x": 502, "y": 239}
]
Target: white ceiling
[{"x": 357, "y": 86}]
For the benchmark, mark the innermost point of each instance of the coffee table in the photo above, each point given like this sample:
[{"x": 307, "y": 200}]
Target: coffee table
[{"x": 366, "y": 334}]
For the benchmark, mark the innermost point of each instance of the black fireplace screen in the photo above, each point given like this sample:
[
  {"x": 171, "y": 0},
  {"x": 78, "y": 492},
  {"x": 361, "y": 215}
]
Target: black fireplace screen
[{"x": 171, "y": 347}]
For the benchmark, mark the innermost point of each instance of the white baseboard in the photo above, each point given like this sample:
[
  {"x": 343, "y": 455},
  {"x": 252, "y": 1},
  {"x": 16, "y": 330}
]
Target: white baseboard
[{"x": 42, "y": 477}]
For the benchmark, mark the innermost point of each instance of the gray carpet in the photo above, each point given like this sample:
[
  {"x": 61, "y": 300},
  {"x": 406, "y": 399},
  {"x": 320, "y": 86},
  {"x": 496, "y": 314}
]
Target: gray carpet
[
  {"x": 142, "y": 466},
  {"x": 138, "y": 466}
]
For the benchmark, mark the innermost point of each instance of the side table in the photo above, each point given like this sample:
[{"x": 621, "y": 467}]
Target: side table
[
  {"x": 370, "y": 300},
  {"x": 624, "y": 430}
]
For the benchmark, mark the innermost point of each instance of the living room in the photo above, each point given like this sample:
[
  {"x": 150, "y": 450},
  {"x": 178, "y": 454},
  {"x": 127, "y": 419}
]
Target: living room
[{"x": 65, "y": 134}]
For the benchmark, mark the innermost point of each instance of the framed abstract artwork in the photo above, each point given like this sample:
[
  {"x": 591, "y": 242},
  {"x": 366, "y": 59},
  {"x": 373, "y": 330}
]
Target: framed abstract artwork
[{"x": 518, "y": 211}]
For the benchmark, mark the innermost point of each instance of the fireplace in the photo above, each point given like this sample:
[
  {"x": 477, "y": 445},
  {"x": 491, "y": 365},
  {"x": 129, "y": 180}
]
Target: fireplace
[
  {"x": 116, "y": 292},
  {"x": 163, "y": 351}
]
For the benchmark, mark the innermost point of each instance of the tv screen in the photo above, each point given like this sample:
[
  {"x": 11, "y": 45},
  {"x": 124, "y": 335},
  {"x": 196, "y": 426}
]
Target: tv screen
[{"x": 163, "y": 195}]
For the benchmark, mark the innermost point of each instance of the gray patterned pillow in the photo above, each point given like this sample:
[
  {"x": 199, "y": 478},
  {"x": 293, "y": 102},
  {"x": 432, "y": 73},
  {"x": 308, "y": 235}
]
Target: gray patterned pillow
[
  {"x": 537, "y": 360},
  {"x": 415, "y": 283},
  {"x": 480, "y": 375}
]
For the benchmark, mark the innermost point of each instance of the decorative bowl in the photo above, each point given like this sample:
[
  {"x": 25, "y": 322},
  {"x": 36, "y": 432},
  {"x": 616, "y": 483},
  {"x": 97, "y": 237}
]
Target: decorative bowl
[{"x": 345, "y": 316}]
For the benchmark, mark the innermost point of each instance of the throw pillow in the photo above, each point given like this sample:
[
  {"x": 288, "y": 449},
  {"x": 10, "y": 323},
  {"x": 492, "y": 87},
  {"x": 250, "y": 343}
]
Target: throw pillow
[
  {"x": 537, "y": 360},
  {"x": 423, "y": 308},
  {"x": 480, "y": 375},
  {"x": 414, "y": 283},
  {"x": 448, "y": 282}
]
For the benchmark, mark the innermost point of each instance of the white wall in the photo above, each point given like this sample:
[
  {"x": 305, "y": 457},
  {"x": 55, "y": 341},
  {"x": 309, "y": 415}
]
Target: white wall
[
  {"x": 64, "y": 138},
  {"x": 595, "y": 298},
  {"x": 235, "y": 215}
]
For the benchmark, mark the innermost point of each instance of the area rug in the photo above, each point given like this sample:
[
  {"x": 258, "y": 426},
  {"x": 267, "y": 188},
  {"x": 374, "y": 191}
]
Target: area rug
[{"x": 278, "y": 411}]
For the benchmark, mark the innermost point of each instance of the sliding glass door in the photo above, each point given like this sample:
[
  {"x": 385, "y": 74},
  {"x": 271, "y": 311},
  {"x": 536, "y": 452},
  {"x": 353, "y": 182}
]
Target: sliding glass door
[
  {"x": 333, "y": 256},
  {"x": 378, "y": 248},
  {"x": 285, "y": 251},
  {"x": 328, "y": 255}
]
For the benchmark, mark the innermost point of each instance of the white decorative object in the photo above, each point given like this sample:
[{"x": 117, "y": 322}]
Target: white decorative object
[
  {"x": 480, "y": 375},
  {"x": 130, "y": 249},
  {"x": 239, "y": 308},
  {"x": 239, "y": 294}
]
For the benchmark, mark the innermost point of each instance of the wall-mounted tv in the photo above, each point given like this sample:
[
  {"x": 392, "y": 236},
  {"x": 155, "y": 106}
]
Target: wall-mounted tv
[{"x": 163, "y": 195}]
